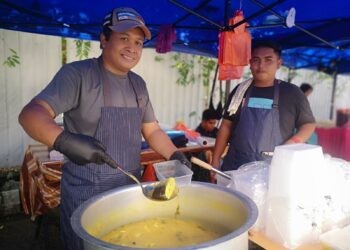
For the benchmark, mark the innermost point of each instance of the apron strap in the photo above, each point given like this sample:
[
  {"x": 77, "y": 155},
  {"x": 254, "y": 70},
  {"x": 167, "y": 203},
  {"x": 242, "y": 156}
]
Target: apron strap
[
  {"x": 137, "y": 92},
  {"x": 106, "y": 88},
  {"x": 275, "y": 94}
]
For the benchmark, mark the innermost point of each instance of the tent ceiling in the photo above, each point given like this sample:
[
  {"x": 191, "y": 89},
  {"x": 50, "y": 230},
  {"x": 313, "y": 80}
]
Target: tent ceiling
[{"x": 329, "y": 20}]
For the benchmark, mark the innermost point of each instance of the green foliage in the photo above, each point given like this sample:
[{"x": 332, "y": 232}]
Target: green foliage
[
  {"x": 158, "y": 58},
  {"x": 12, "y": 60},
  {"x": 83, "y": 48},
  {"x": 320, "y": 76},
  {"x": 208, "y": 65},
  {"x": 289, "y": 73},
  {"x": 184, "y": 66},
  {"x": 64, "y": 50},
  {"x": 193, "y": 113}
]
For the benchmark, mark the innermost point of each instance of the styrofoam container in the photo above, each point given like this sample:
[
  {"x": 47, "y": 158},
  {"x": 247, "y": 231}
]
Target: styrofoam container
[
  {"x": 176, "y": 169},
  {"x": 295, "y": 194},
  {"x": 337, "y": 239}
]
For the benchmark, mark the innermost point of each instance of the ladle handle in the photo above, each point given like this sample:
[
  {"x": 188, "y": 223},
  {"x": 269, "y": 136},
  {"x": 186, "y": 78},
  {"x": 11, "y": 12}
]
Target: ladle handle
[
  {"x": 113, "y": 164},
  {"x": 205, "y": 165}
]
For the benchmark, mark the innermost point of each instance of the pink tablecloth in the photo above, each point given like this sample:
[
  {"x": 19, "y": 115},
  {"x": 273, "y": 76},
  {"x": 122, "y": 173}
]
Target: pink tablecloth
[{"x": 335, "y": 141}]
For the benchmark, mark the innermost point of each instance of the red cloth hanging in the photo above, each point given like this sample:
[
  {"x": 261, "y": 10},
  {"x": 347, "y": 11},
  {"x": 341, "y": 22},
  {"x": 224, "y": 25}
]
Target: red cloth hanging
[
  {"x": 165, "y": 39},
  {"x": 234, "y": 49}
]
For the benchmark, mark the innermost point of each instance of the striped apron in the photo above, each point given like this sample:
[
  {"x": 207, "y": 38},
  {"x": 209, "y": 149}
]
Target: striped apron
[
  {"x": 257, "y": 131},
  {"x": 119, "y": 129}
]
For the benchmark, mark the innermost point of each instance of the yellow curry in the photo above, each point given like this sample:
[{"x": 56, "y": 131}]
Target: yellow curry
[{"x": 161, "y": 233}]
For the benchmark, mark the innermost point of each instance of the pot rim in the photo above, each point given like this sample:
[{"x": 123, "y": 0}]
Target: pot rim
[{"x": 84, "y": 235}]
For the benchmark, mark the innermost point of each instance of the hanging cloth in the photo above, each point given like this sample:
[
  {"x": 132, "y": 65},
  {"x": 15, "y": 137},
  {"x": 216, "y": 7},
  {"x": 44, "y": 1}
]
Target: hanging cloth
[
  {"x": 165, "y": 39},
  {"x": 240, "y": 43},
  {"x": 234, "y": 49}
]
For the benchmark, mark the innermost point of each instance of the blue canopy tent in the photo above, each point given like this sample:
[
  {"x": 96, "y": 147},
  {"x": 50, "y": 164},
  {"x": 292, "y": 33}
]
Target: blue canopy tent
[
  {"x": 319, "y": 37},
  {"x": 327, "y": 22}
]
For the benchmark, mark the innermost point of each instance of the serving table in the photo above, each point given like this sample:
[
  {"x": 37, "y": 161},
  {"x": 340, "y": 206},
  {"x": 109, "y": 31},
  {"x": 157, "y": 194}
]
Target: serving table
[{"x": 40, "y": 176}]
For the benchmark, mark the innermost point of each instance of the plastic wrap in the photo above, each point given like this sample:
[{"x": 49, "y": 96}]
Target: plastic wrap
[
  {"x": 252, "y": 180},
  {"x": 336, "y": 207}
]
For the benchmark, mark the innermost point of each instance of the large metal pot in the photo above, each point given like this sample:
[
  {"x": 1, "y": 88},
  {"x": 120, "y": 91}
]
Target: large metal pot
[{"x": 209, "y": 203}]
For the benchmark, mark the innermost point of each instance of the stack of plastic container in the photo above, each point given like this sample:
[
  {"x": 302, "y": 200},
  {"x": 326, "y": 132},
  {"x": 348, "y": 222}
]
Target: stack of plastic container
[{"x": 294, "y": 198}]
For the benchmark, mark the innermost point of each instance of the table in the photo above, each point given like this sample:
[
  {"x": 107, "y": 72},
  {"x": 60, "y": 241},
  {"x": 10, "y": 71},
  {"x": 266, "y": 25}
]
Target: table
[
  {"x": 40, "y": 185},
  {"x": 40, "y": 177},
  {"x": 335, "y": 141},
  {"x": 149, "y": 156},
  {"x": 261, "y": 240}
]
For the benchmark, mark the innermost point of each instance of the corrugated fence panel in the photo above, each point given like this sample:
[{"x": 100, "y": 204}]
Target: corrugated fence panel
[
  {"x": 171, "y": 102},
  {"x": 40, "y": 58}
]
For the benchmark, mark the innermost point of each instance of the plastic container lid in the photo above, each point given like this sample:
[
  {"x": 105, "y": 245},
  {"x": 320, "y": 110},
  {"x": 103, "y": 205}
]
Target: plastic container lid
[
  {"x": 176, "y": 169},
  {"x": 222, "y": 181}
]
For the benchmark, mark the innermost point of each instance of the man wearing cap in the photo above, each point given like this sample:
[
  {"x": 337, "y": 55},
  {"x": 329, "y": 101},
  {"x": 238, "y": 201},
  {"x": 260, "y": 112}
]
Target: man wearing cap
[{"x": 106, "y": 110}]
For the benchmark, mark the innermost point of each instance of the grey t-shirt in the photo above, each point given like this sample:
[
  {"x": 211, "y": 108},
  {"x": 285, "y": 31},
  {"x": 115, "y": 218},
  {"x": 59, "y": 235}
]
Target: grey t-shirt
[
  {"x": 294, "y": 108},
  {"x": 76, "y": 90}
]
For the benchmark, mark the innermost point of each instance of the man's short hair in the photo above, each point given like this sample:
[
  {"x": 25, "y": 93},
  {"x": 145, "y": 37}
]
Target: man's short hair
[
  {"x": 305, "y": 87},
  {"x": 209, "y": 114},
  {"x": 267, "y": 44}
]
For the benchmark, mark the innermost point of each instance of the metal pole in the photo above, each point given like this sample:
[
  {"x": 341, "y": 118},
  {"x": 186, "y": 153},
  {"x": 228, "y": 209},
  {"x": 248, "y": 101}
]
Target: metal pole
[
  {"x": 196, "y": 14},
  {"x": 335, "y": 76},
  {"x": 227, "y": 89},
  {"x": 297, "y": 26},
  {"x": 227, "y": 12},
  {"x": 256, "y": 14},
  {"x": 227, "y": 21},
  {"x": 182, "y": 18}
]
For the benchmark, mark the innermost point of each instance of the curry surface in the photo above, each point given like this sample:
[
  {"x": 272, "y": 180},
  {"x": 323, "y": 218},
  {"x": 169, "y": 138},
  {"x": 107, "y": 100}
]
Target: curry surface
[{"x": 161, "y": 233}]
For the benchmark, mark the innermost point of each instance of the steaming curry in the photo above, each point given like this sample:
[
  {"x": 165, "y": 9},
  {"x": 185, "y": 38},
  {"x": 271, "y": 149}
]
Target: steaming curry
[{"x": 161, "y": 233}]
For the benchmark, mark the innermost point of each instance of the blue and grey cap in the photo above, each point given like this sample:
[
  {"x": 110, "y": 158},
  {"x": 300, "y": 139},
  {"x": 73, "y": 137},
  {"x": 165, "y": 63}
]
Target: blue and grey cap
[{"x": 123, "y": 19}]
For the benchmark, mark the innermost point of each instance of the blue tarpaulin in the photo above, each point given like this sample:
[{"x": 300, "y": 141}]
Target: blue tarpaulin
[{"x": 321, "y": 35}]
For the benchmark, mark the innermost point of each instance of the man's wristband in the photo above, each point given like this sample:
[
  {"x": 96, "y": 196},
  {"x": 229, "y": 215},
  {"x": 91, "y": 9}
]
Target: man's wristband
[{"x": 295, "y": 139}]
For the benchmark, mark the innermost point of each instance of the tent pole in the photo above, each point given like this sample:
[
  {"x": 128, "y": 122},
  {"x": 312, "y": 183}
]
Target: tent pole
[
  {"x": 183, "y": 18},
  {"x": 290, "y": 74},
  {"x": 263, "y": 10},
  {"x": 334, "y": 87},
  {"x": 227, "y": 22},
  {"x": 195, "y": 13},
  {"x": 227, "y": 89},
  {"x": 288, "y": 78},
  {"x": 227, "y": 12}
]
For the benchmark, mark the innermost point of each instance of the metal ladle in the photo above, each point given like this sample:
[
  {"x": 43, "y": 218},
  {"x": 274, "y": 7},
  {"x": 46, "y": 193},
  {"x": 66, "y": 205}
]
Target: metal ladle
[{"x": 157, "y": 191}]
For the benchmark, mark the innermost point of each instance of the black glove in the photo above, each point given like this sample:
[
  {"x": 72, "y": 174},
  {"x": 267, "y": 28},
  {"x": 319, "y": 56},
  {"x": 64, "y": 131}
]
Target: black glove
[
  {"x": 178, "y": 155},
  {"x": 80, "y": 149}
]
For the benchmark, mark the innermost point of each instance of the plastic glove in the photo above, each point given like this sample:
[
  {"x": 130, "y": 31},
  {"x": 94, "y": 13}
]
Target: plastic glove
[
  {"x": 80, "y": 149},
  {"x": 178, "y": 155}
]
